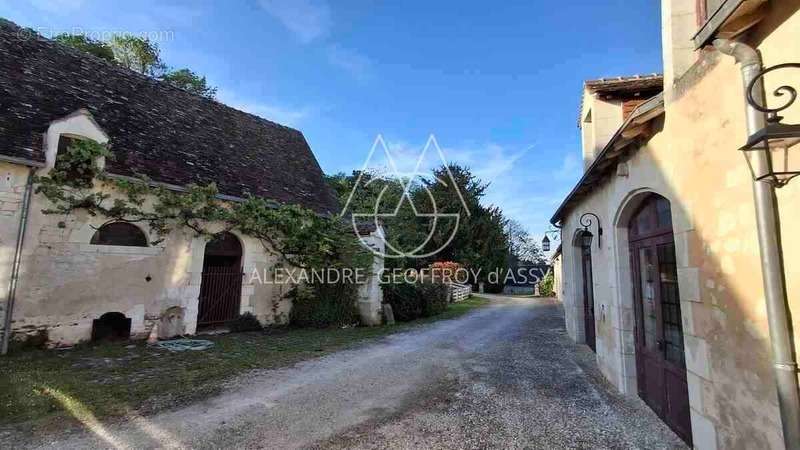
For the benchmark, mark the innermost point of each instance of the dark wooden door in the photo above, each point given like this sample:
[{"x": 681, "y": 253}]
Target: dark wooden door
[
  {"x": 660, "y": 363},
  {"x": 588, "y": 297}
]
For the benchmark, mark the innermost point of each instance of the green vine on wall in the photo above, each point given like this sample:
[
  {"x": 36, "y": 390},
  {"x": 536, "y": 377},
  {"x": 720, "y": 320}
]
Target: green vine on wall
[{"x": 298, "y": 235}]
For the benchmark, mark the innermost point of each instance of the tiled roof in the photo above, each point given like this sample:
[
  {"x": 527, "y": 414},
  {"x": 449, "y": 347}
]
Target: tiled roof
[
  {"x": 634, "y": 86},
  {"x": 629, "y": 84},
  {"x": 156, "y": 129}
]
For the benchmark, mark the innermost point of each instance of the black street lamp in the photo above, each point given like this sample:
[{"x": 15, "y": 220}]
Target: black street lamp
[
  {"x": 546, "y": 241},
  {"x": 776, "y": 140},
  {"x": 586, "y": 222}
]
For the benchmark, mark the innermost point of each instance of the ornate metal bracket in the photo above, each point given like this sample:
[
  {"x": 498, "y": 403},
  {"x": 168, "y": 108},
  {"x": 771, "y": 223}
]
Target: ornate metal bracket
[
  {"x": 555, "y": 234},
  {"x": 586, "y": 221},
  {"x": 772, "y": 113}
]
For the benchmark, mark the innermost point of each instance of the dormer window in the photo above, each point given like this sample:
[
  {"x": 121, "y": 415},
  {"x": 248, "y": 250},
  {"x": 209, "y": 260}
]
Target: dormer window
[
  {"x": 75, "y": 175},
  {"x": 75, "y": 127}
]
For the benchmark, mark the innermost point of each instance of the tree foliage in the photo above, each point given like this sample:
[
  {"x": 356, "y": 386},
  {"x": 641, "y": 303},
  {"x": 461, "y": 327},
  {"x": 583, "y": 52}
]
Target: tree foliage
[
  {"x": 138, "y": 53},
  {"x": 546, "y": 286},
  {"x": 522, "y": 246},
  {"x": 87, "y": 44},
  {"x": 190, "y": 81},
  {"x": 143, "y": 56},
  {"x": 477, "y": 241}
]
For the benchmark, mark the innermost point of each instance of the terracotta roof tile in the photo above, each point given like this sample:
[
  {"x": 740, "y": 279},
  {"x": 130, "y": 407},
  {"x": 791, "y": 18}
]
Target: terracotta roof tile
[{"x": 628, "y": 84}]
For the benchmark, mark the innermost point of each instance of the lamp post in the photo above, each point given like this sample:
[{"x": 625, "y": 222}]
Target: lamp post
[{"x": 586, "y": 221}]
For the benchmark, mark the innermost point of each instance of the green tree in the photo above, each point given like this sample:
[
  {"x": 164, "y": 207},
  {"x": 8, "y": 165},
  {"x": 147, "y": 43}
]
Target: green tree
[
  {"x": 521, "y": 245},
  {"x": 138, "y": 53},
  {"x": 190, "y": 81},
  {"x": 141, "y": 55},
  {"x": 87, "y": 44},
  {"x": 478, "y": 240}
]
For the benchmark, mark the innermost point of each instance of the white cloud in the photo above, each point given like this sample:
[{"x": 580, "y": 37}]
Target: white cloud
[
  {"x": 306, "y": 19},
  {"x": 281, "y": 114},
  {"x": 358, "y": 65}
]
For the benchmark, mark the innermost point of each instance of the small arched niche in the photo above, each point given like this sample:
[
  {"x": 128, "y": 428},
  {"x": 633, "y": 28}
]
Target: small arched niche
[
  {"x": 119, "y": 233},
  {"x": 111, "y": 326}
]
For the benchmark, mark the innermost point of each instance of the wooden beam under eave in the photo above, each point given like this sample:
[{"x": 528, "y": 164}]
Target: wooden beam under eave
[
  {"x": 636, "y": 130},
  {"x": 620, "y": 144},
  {"x": 741, "y": 24}
]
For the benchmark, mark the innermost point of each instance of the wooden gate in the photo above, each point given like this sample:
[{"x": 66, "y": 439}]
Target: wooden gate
[{"x": 660, "y": 362}]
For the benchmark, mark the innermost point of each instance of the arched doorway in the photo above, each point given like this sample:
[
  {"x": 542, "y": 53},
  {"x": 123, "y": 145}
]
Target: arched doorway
[
  {"x": 221, "y": 284},
  {"x": 660, "y": 362},
  {"x": 588, "y": 290},
  {"x": 583, "y": 245}
]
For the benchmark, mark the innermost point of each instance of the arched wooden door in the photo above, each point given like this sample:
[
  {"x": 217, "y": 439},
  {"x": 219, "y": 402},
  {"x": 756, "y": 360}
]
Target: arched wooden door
[
  {"x": 221, "y": 284},
  {"x": 660, "y": 363}
]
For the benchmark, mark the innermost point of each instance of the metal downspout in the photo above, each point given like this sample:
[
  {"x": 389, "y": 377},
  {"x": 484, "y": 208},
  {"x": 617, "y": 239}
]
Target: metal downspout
[
  {"x": 12, "y": 286},
  {"x": 784, "y": 364}
]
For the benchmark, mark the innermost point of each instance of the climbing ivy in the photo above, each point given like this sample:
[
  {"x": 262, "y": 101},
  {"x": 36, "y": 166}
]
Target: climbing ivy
[{"x": 298, "y": 235}]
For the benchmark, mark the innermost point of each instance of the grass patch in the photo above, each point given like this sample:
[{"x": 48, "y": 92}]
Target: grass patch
[{"x": 108, "y": 380}]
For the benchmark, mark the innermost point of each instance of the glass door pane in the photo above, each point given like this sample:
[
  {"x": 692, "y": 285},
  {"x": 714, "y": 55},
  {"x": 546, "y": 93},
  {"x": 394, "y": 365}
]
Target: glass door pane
[
  {"x": 647, "y": 275},
  {"x": 670, "y": 304}
]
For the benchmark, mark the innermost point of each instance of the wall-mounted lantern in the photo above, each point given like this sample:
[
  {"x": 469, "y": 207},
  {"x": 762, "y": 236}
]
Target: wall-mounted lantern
[
  {"x": 586, "y": 221},
  {"x": 778, "y": 141},
  {"x": 546, "y": 241}
]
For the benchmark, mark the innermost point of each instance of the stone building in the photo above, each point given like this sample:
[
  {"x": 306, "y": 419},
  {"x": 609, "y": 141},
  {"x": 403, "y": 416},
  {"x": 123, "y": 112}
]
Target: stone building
[
  {"x": 661, "y": 271},
  {"x": 75, "y": 269}
]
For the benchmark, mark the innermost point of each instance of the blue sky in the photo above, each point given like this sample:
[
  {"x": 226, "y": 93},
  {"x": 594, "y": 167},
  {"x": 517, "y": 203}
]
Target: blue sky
[{"x": 497, "y": 83}]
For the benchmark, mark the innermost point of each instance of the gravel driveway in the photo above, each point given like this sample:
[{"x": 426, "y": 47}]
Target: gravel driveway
[{"x": 504, "y": 376}]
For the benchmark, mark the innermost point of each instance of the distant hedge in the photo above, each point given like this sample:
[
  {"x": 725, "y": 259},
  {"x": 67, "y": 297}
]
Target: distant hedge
[
  {"x": 414, "y": 300},
  {"x": 324, "y": 305}
]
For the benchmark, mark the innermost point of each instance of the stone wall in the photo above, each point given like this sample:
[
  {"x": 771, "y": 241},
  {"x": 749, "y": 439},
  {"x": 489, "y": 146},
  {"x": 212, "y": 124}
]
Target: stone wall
[{"x": 65, "y": 282}]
